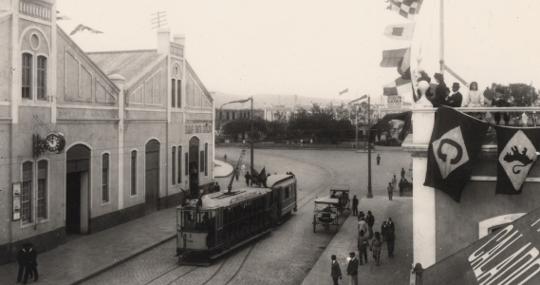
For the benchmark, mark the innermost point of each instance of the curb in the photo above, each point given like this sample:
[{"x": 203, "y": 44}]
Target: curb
[{"x": 117, "y": 262}]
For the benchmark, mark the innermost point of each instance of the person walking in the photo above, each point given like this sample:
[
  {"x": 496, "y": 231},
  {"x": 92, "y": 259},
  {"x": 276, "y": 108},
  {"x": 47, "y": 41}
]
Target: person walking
[
  {"x": 21, "y": 262},
  {"x": 394, "y": 182},
  {"x": 354, "y": 206},
  {"x": 363, "y": 243},
  {"x": 376, "y": 245},
  {"x": 390, "y": 189},
  {"x": 352, "y": 269},
  {"x": 402, "y": 172},
  {"x": 248, "y": 178},
  {"x": 378, "y": 159},
  {"x": 390, "y": 237},
  {"x": 370, "y": 220},
  {"x": 236, "y": 173},
  {"x": 362, "y": 224},
  {"x": 335, "y": 270}
]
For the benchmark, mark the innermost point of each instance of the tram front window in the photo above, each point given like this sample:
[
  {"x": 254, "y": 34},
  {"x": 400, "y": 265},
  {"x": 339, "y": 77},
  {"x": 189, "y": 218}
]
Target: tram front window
[{"x": 195, "y": 220}]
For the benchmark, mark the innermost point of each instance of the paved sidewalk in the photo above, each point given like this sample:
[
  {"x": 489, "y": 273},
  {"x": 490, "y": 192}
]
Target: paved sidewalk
[
  {"x": 222, "y": 169},
  {"x": 391, "y": 271},
  {"x": 88, "y": 255}
]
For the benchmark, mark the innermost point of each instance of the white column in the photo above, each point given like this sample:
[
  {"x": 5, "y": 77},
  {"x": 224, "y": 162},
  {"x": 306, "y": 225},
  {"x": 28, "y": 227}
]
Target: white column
[
  {"x": 424, "y": 233},
  {"x": 424, "y": 214}
]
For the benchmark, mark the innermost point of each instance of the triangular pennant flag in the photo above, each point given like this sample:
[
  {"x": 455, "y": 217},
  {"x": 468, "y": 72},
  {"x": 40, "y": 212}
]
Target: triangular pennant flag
[
  {"x": 403, "y": 31},
  {"x": 405, "y": 8},
  {"x": 516, "y": 150},
  {"x": 394, "y": 57},
  {"x": 455, "y": 143}
]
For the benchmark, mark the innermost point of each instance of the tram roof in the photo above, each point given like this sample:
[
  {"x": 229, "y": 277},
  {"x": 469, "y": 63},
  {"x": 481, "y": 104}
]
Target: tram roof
[
  {"x": 223, "y": 199},
  {"x": 276, "y": 178}
]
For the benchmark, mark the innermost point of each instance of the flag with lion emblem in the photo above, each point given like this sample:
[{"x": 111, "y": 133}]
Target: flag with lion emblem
[
  {"x": 455, "y": 143},
  {"x": 516, "y": 155}
]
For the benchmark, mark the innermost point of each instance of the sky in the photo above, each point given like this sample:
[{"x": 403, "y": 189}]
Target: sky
[{"x": 318, "y": 47}]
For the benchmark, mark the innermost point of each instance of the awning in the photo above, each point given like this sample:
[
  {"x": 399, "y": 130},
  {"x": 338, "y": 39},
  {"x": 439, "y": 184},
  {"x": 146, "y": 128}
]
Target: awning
[{"x": 508, "y": 256}]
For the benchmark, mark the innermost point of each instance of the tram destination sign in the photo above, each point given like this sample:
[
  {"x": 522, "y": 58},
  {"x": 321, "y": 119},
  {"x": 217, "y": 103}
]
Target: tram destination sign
[{"x": 508, "y": 256}]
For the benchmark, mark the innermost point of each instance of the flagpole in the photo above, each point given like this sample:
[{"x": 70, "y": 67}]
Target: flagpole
[
  {"x": 441, "y": 47},
  {"x": 369, "y": 194}
]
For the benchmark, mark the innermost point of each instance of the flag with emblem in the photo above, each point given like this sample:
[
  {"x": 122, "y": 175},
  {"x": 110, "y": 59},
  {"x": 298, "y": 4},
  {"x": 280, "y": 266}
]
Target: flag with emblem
[
  {"x": 516, "y": 149},
  {"x": 455, "y": 143},
  {"x": 405, "y": 8}
]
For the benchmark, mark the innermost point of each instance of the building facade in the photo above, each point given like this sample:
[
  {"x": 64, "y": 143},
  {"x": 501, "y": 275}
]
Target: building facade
[
  {"x": 91, "y": 140},
  {"x": 442, "y": 226}
]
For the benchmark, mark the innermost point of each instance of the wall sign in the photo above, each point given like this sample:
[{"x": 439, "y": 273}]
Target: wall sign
[
  {"x": 16, "y": 202},
  {"x": 198, "y": 127}
]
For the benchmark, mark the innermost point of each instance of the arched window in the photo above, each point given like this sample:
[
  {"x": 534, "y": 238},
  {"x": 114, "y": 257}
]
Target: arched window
[
  {"x": 133, "y": 172},
  {"x": 105, "y": 177},
  {"x": 26, "y": 82},
  {"x": 26, "y": 193},
  {"x": 42, "y": 77},
  {"x": 42, "y": 194}
]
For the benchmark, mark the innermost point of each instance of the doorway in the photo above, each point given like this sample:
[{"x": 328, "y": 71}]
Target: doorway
[
  {"x": 194, "y": 167},
  {"x": 151, "y": 176},
  {"x": 77, "y": 189}
]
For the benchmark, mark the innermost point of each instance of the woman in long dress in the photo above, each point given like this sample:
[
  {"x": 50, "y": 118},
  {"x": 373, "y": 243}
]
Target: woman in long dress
[{"x": 376, "y": 245}]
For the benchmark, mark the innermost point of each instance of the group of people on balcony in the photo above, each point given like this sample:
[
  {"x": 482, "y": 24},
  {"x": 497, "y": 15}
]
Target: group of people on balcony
[
  {"x": 442, "y": 95},
  {"x": 439, "y": 94}
]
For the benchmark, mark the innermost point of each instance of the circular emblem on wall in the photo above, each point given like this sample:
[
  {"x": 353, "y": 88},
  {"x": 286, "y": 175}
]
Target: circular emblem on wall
[
  {"x": 55, "y": 142},
  {"x": 34, "y": 41}
]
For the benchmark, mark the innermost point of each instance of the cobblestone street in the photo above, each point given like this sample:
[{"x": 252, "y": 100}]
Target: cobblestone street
[{"x": 288, "y": 254}]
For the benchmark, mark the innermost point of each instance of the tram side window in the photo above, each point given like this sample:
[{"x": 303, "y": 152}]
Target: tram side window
[{"x": 287, "y": 192}]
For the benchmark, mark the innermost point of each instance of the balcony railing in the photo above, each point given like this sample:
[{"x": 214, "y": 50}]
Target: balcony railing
[{"x": 423, "y": 119}]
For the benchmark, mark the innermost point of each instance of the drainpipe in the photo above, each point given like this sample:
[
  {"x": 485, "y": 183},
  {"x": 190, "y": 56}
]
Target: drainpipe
[{"x": 120, "y": 81}]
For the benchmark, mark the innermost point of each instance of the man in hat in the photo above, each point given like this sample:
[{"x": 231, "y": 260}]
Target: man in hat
[
  {"x": 352, "y": 269},
  {"x": 455, "y": 98},
  {"x": 335, "y": 270}
]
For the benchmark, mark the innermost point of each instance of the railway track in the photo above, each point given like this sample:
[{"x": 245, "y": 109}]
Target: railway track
[{"x": 165, "y": 278}]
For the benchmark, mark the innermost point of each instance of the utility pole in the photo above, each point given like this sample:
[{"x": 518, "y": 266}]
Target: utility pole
[
  {"x": 370, "y": 193},
  {"x": 356, "y": 123},
  {"x": 252, "y": 136}
]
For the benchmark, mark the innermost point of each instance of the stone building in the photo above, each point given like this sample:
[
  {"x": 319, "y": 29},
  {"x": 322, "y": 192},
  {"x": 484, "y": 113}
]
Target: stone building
[{"x": 91, "y": 140}]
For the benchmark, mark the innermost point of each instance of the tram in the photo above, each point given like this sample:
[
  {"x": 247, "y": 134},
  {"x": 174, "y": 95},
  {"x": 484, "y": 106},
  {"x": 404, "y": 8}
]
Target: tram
[{"x": 220, "y": 222}]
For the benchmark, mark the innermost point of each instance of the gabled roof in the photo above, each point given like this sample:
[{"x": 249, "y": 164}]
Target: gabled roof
[
  {"x": 196, "y": 77},
  {"x": 82, "y": 54},
  {"x": 128, "y": 63},
  {"x": 508, "y": 256}
]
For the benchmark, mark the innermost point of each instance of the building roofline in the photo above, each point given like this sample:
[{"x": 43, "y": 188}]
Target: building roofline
[
  {"x": 121, "y": 51},
  {"x": 74, "y": 45},
  {"x": 196, "y": 77}
]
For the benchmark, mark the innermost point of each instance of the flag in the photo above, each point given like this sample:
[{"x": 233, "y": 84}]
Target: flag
[
  {"x": 405, "y": 8},
  {"x": 455, "y": 142},
  {"x": 393, "y": 57},
  {"x": 358, "y": 100},
  {"x": 343, "y": 91},
  {"x": 81, "y": 28},
  {"x": 399, "y": 86},
  {"x": 403, "y": 31},
  {"x": 516, "y": 149},
  {"x": 404, "y": 67}
]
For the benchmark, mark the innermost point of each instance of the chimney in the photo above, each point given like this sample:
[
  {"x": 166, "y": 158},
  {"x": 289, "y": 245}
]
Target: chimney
[{"x": 163, "y": 40}]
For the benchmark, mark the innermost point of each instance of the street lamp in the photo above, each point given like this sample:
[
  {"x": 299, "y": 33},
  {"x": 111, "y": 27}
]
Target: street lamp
[
  {"x": 252, "y": 118},
  {"x": 357, "y": 101}
]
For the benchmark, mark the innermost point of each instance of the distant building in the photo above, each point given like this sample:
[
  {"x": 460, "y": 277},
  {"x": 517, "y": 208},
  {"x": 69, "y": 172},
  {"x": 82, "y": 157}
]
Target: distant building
[
  {"x": 224, "y": 116},
  {"x": 134, "y": 129}
]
